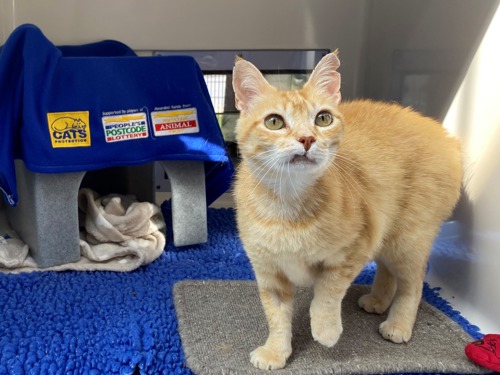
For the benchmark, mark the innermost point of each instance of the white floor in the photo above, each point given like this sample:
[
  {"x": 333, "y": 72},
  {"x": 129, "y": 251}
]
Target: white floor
[
  {"x": 467, "y": 309},
  {"x": 468, "y": 285},
  {"x": 467, "y": 274}
]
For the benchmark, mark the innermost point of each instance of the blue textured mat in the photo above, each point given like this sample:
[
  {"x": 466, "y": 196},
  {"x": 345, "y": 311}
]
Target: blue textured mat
[{"x": 109, "y": 323}]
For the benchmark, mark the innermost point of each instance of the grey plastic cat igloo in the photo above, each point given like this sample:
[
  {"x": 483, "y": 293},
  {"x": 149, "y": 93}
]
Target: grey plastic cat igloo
[
  {"x": 91, "y": 107},
  {"x": 46, "y": 217}
]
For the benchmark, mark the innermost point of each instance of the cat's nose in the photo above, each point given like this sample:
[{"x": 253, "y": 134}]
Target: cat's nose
[{"x": 307, "y": 141}]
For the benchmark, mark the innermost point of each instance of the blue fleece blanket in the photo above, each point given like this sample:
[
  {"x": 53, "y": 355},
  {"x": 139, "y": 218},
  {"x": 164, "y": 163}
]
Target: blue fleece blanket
[
  {"x": 109, "y": 323},
  {"x": 80, "y": 108}
]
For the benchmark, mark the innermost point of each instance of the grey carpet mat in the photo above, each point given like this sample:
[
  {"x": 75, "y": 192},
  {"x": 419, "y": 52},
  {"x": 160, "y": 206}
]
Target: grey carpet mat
[{"x": 221, "y": 322}]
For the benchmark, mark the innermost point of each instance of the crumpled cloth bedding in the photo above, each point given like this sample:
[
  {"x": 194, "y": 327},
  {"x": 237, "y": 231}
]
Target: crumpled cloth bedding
[{"x": 118, "y": 233}]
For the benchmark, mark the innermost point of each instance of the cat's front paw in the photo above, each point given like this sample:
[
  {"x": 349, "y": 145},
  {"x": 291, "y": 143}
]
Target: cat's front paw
[
  {"x": 265, "y": 358},
  {"x": 373, "y": 304},
  {"x": 326, "y": 334},
  {"x": 394, "y": 332}
]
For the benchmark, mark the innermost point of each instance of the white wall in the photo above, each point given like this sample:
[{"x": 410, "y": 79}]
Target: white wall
[
  {"x": 200, "y": 24},
  {"x": 6, "y": 19},
  {"x": 475, "y": 117},
  {"x": 441, "y": 36}
]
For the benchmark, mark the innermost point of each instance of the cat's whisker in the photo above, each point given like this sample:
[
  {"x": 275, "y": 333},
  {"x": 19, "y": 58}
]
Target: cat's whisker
[
  {"x": 346, "y": 176},
  {"x": 260, "y": 154},
  {"x": 348, "y": 173},
  {"x": 266, "y": 167},
  {"x": 350, "y": 181},
  {"x": 352, "y": 164},
  {"x": 338, "y": 172},
  {"x": 279, "y": 189},
  {"x": 261, "y": 164}
]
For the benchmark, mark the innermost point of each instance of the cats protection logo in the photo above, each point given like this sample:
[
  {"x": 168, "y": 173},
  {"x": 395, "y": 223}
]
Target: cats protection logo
[{"x": 69, "y": 129}]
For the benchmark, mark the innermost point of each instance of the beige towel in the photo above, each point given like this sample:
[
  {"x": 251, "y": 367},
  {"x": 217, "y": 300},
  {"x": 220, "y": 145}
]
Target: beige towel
[{"x": 120, "y": 234}]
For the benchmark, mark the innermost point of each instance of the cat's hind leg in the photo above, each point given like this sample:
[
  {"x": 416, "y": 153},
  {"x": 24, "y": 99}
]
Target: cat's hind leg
[
  {"x": 408, "y": 264},
  {"x": 382, "y": 291}
]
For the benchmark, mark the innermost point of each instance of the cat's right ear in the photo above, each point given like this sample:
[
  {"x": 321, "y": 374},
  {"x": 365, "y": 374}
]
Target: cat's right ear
[
  {"x": 326, "y": 78},
  {"x": 248, "y": 84}
]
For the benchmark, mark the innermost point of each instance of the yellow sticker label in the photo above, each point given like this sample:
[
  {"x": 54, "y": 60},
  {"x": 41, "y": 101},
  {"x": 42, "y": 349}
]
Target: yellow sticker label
[{"x": 69, "y": 129}]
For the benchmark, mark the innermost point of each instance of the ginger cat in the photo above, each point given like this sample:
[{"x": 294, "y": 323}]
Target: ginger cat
[{"x": 325, "y": 187}]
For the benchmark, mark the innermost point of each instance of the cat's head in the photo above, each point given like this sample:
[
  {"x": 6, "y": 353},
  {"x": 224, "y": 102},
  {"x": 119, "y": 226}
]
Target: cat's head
[{"x": 291, "y": 134}]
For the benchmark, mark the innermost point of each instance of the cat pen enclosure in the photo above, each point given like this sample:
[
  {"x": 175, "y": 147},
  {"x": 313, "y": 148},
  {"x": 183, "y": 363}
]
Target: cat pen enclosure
[{"x": 412, "y": 51}]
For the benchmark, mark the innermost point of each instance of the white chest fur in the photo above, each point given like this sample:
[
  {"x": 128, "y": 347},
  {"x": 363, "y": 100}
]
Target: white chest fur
[{"x": 297, "y": 271}]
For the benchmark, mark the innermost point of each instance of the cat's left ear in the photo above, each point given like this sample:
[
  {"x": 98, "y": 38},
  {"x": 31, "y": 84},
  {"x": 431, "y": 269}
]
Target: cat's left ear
[
  {"x": 248, "y": 84},
  {"x": 326, "y": 78}
]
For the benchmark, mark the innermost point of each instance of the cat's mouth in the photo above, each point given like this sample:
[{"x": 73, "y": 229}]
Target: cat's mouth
[{"x": 302, "y": 160}]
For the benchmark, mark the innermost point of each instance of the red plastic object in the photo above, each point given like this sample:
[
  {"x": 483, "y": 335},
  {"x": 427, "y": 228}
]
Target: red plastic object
[{"x": 485, "y": 352}]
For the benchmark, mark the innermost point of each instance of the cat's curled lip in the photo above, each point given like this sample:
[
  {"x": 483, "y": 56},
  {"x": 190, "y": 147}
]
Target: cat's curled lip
[{"x": 302, "y": 160}]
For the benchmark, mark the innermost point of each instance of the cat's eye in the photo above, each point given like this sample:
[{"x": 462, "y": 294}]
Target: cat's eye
[
  {"x": 274, "y": 122},
  {"x": 324, "y": 118}
]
